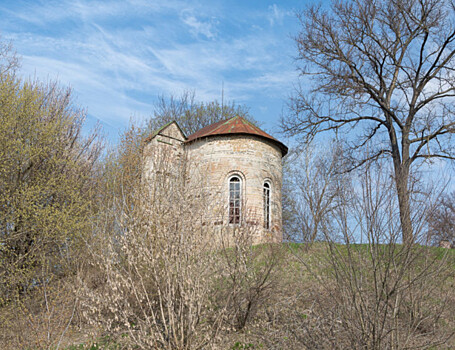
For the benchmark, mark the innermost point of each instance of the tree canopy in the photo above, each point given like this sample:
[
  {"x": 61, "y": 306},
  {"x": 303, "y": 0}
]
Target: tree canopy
[{"x": 46, "y": 169}]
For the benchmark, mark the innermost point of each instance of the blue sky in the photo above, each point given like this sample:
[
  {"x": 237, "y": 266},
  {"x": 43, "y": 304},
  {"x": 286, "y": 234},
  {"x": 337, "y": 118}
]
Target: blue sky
[{"x": 119, "y": 56}]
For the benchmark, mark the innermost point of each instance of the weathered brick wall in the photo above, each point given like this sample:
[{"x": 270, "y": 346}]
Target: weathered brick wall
[{"x": 211, "y": 161}]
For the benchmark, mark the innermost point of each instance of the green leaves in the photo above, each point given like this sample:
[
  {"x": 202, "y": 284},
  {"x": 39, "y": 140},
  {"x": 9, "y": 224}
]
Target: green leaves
[{"x": 46, "y": 171}]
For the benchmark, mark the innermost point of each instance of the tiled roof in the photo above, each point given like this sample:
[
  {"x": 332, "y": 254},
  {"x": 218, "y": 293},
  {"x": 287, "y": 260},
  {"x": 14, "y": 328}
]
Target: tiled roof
[{"x": 235, "y": 125}]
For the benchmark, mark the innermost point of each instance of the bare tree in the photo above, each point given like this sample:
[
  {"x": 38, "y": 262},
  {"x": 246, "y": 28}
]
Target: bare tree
[
  {"x": 442, "y": 220},
  {"x": 192, "y": 115},
  {"x": 383, "y": 70},
  {"x": 378, "y": 294},
  {"x": 9, "y": 61},
  {"x": 311, "y": 187}
]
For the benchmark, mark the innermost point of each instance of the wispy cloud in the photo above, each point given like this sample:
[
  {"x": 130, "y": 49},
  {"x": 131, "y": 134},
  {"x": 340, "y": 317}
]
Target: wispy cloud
[
  {"x": 197, "y": 26},
  {"x": 120, "y": 55},
  {"x": 276, "y": 15}
]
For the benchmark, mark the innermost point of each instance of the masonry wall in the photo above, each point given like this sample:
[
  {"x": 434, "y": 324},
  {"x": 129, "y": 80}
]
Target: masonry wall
[
  {"x": 164, "y": 153},
  {"x": 164, "y": 164},
  {"x": 212, "y": 161}
]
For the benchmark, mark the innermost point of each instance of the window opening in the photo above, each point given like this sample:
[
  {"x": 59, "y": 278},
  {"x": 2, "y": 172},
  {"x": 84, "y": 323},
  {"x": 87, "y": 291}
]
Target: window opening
[
  {"x": 266, "y": 195},
  {"x": 234, "y": 200}
]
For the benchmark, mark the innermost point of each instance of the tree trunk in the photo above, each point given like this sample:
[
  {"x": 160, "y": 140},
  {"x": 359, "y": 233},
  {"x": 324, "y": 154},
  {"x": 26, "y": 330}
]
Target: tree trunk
[{"x": 401, "y": 182}]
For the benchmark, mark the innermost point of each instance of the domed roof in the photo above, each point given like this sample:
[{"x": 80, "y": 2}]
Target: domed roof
[{"x": 235, "y": 125}]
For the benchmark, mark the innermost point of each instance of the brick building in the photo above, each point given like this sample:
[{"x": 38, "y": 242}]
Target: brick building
[{"x": 233, "y": 166}]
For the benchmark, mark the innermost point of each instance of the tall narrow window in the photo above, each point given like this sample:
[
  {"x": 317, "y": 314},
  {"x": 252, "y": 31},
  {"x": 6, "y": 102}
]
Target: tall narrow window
[
  {"x": 235, "y": 192},
  {"x": 266, "y": 195}
]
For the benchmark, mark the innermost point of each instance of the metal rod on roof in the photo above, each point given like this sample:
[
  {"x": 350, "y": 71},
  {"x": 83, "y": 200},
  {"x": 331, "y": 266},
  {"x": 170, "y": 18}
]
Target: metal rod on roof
[{"x": 222, "y": 99}]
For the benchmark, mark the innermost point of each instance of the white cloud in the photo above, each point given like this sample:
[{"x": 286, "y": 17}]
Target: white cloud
[
  {"x": 118, "y": 67},
  {"x": 105, "y": 98},
  {"x": 44, "y": 13},
  {"x": 197, "y": 26},
  {"x": 276, "y": 15}
]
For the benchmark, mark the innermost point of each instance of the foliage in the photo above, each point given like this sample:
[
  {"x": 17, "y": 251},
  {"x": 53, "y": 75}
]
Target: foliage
[
  {"x": 45, "y": 180},
  {"x": 48, "y": 180}
]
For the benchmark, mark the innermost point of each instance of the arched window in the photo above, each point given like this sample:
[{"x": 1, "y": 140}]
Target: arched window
[
  {"x": 266, "y": 199},
  {"x": 235, "y": 195}
]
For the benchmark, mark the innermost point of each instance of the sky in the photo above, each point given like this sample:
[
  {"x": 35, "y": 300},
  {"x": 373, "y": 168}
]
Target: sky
[{"x": 119, "y": 56}]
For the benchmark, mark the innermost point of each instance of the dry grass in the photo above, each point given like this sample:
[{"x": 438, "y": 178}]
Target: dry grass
[{"x": 295, "y": 312}]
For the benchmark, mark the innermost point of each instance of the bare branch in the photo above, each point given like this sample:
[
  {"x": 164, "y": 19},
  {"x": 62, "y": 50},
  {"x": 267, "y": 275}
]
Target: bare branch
[{"x": 390, "y": 63}]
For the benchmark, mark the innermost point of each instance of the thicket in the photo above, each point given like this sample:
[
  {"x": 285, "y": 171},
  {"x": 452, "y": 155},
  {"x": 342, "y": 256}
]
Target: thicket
[{"x": 48, "y": 178}]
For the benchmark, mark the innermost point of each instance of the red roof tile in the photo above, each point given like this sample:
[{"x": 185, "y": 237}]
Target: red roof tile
[{"x": 235, "y": 125}]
